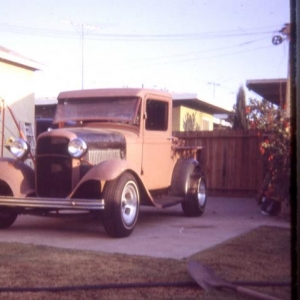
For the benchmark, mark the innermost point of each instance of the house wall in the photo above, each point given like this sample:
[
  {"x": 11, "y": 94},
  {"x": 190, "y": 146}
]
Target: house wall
[
  {"x": 204, "y": 120},
  {"x": 17, "y": 92}
]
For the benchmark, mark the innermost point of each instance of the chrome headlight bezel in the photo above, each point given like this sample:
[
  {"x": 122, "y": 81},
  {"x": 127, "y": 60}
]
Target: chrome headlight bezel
[
  {"x": 19, "y": 148},
  {"x": 77, "y": 148}
]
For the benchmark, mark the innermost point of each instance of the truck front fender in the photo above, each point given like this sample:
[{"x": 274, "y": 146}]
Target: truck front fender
[
  {"x": 107, "y": 170},
  {"x": 18, "y": 176}
]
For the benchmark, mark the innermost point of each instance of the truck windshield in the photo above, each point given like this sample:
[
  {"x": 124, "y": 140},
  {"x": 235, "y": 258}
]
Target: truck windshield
[{"x": 121, "y": 109}]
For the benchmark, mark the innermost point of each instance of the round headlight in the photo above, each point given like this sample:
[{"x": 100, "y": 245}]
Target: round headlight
[
  {"x": 77, "y": 148},
  {"x": 19, "y": 148}
]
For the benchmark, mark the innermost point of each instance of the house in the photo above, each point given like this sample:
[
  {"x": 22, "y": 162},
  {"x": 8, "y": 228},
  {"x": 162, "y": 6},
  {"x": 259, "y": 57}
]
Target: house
[
  {"x": 16, "y": 98},
  {"x": 203, "y": 115}
]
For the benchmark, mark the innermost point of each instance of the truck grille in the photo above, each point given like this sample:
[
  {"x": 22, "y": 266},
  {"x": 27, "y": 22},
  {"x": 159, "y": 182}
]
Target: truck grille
[
  {"x": 53, "y": 167},
  {"x": 96, "y": 156}
]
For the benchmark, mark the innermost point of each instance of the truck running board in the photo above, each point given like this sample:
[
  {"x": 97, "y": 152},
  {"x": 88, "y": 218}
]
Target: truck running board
[{"x": 167, "y": 201}]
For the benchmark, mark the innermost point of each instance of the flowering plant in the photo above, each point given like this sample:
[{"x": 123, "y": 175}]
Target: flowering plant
[{"x": 274, "y": 131}]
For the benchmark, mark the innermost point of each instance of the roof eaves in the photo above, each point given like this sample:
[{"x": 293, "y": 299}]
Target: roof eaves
[
  {"x": 195, "y": 103},
  {"x": 273, "y": 90},
  {"x": 11, "y": 57}
]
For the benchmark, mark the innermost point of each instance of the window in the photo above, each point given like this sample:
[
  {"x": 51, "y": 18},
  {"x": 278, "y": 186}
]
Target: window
[
  {"x": 121, "y": 109},
  {"x": 157, "y": 115}
]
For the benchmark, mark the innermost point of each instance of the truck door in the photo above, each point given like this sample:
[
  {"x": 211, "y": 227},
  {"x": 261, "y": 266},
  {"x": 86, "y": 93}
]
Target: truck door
[{"x": 157, "y": 162}]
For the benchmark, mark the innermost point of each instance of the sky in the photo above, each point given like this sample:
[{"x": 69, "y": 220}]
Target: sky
[{"x": 209, "y": 48}]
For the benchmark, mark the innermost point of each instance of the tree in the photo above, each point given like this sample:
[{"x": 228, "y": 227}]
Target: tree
[
  {"x": 190, "y": 123},
  {"x": 239, "y": 115}
]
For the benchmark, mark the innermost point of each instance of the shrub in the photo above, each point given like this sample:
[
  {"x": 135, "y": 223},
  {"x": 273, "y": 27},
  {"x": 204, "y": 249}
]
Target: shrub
[{"x": 274, "y": 131}]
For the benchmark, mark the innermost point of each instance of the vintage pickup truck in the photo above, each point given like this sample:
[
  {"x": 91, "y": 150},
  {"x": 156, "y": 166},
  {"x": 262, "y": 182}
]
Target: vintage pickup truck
[{"x": 112, "y": 151}]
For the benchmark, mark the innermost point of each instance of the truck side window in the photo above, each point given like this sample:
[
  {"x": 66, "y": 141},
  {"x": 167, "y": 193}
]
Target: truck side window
[{"x": 157, "y": 115}]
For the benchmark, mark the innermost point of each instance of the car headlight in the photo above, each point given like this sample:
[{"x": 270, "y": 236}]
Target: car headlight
[
  {"x": 19, "y": 148},
  {"x": 77, "y": 148}
]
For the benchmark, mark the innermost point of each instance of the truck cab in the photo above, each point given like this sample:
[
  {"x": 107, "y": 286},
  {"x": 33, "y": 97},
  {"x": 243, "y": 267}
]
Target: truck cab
[{"x": 111, "y": 151}]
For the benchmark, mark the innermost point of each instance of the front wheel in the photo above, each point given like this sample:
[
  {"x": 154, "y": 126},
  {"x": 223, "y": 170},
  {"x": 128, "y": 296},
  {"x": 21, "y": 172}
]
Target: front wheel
[
  {"x": 122, "y": 203},
  {"x": 195, "y": 202},
  {"x": 8, "y": 216}
]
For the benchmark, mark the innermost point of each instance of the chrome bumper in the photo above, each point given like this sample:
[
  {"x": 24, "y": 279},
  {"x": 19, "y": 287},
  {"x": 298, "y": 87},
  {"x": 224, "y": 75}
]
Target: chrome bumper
[{"x": 53, "y": 203}]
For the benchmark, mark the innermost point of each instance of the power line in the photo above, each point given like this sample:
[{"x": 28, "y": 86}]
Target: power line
[
  {"x": 260, "y": 33},
  {"x": 217, "y": 49},
  {"x": 209, "y": 57},
  {"x": 144, "y": 37}
]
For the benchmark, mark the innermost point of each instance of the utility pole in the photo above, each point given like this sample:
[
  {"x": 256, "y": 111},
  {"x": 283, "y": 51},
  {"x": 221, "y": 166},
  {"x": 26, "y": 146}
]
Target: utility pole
[
  {"x": 2, "y": 109},
  {"x": 277, "y": 40},
  {"x": 214, "y": 84},
  {"x": 82, "y": 27},
  {"x": 286, "y": 31},
  {"x": 82, "y": 56}
]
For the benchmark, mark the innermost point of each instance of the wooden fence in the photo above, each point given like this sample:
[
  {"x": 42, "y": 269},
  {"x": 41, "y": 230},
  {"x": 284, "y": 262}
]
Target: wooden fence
[{"x": 231, "y": 160}]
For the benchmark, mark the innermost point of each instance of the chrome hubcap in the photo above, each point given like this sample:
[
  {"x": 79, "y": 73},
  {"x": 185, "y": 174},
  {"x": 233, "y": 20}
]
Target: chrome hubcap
[
  {"x": 129, "y": 203},
  {"x": 201, "y": 195}
]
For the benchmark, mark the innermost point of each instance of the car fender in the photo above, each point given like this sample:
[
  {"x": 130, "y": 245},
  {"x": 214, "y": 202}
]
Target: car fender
[
  {"x": 18, "y": 176},
  {"x": 183, "y": 169},
  {"x": 110, "y": 170}
]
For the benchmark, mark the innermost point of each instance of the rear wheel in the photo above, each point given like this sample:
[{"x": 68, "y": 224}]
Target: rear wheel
[
  {"x": 8, "y": 216},
  {"x": 122, "y": 203},
  {"x": 195, "y": 202}
]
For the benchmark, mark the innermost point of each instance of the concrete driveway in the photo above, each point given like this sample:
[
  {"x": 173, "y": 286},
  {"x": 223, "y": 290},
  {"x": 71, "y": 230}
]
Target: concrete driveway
[{"x": 159, "y": 233}]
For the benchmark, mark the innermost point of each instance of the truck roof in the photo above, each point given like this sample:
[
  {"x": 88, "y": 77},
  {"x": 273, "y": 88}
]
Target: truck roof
[{"x": 111, "y": 92}]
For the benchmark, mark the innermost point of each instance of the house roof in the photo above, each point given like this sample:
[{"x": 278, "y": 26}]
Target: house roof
[
  {"x": 192, "y": 101},
  {"x": 14, "y": 58},
  {"x": 273, "y": 90}
]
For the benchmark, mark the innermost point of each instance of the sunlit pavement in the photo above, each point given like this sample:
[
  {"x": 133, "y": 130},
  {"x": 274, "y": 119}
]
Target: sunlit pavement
[{"x": 158, "y": 233}]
